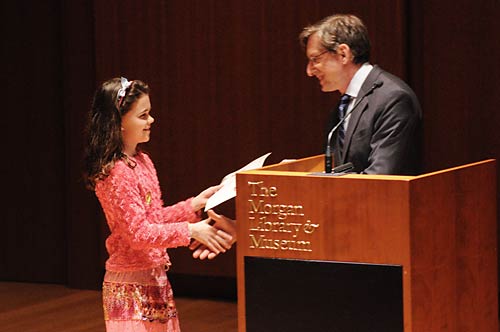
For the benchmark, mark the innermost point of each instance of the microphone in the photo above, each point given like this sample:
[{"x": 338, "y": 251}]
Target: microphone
[
  {"x": 344, "y": 168},
  {"x": 328, "y": 152}
]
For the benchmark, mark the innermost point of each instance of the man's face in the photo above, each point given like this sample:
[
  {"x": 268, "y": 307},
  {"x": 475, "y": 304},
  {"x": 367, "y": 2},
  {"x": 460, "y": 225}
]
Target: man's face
[{"x": 326, "y": 66}]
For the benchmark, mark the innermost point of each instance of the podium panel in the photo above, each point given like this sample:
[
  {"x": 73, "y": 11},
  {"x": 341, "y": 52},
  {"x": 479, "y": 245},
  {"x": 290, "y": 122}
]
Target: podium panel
[
  {"x": 438, "y": 229},
  {"x": 301, "y": 295}
]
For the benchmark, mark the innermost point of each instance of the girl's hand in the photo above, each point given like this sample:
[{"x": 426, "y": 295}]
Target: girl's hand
[{"x": 200, "y": 201}]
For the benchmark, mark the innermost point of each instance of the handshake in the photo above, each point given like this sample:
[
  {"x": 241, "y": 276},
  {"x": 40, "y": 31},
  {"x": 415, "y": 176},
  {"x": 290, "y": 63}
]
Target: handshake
[
  {"x": 213, "y": 235},
  {"x": 221, "y": 237}
]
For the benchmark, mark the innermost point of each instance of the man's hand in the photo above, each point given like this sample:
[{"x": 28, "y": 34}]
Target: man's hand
[
  {"x": 216, "y": 240},
  {"x": 224, "y": 225}
]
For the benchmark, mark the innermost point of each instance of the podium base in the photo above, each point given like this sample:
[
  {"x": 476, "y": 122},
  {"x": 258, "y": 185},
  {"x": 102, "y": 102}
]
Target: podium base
[{"x": 298, "y": 295}]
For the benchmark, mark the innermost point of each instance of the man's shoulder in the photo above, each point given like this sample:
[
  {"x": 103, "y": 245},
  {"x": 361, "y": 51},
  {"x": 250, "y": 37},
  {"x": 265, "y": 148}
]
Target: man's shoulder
[
  {"x": 389, "y": 80},
  {"x": 391, "y": 90}
]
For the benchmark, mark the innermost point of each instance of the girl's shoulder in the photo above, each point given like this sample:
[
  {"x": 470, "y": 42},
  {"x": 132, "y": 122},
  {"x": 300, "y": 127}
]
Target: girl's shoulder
[
  {"x": 144, "y": 157},
  {"x": 141, "y": 159},
  {"x": 145, "y": 162},
  {"x": 120, "y": 167},
  {"x": 120, "y": 172},
  {"x": 123, "y": 170}
]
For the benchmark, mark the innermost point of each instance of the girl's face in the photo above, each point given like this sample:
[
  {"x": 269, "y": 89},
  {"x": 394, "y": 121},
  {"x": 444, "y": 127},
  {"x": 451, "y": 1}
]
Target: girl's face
[{"x": 136, "y": 124}]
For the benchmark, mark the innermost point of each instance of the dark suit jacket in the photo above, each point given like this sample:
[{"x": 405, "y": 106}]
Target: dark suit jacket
[{"x": 382, "y": 136}]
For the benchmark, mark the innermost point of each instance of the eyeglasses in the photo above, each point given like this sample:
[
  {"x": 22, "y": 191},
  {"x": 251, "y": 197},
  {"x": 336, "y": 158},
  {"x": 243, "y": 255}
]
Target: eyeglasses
[{"x": 314, "y": 60}]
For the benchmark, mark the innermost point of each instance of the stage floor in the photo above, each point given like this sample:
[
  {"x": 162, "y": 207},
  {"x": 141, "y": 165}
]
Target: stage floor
[{"x": 54, "y": 308}]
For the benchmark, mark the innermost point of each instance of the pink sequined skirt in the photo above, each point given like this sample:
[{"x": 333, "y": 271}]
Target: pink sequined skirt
[{"x": 139, "y": 301}]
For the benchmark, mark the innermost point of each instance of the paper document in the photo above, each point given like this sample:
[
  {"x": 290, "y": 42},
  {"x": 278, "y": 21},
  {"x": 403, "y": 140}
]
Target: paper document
[{"x": 228, "y": 189}]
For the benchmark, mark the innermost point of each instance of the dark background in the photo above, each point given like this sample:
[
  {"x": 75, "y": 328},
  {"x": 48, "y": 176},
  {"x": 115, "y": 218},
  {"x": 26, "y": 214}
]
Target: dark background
[{"x": 228, "y": 85}]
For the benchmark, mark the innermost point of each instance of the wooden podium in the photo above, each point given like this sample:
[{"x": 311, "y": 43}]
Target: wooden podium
[{"x": 367, "y": 253}]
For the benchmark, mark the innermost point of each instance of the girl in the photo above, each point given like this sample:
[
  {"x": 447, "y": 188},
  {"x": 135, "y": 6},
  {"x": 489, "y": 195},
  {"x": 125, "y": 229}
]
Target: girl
[{"x": 137, "y": 295}]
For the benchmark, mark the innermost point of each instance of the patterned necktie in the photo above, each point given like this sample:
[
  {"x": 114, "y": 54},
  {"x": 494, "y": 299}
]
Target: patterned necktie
[{"x": 344, "y": 102}]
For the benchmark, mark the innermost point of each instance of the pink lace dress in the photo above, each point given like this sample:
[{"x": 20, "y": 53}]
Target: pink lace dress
[{"x": 137, "y": 295}]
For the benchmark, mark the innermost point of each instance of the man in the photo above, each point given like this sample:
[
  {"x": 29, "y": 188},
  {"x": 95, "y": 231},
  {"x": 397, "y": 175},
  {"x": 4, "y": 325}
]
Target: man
[{"x": 380, "y": 136}]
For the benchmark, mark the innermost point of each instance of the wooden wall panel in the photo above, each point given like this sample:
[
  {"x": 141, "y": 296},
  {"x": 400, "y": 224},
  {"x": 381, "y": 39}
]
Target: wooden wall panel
[
  {"x": 33, "y": 245},
  {"x": 228, "y": 83},
  {"x": 85, "y": 227},
  {"x": 454, "y": 67},
  {"x": 458, "y": 73}
]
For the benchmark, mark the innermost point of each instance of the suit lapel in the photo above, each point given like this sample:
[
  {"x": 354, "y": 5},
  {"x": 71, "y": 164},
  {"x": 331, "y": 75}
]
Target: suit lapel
[
  {"x": 353, "y": 123},
  {"x": 356, "y": 114}
]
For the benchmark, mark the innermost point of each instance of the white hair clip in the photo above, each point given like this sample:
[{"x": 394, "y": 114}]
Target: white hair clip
[{"x": 123, "y": 90}]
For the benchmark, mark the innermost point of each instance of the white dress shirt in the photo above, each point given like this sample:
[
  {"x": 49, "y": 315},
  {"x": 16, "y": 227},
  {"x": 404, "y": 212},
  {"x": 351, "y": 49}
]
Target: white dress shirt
[{"x": 354, "y": 86}]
